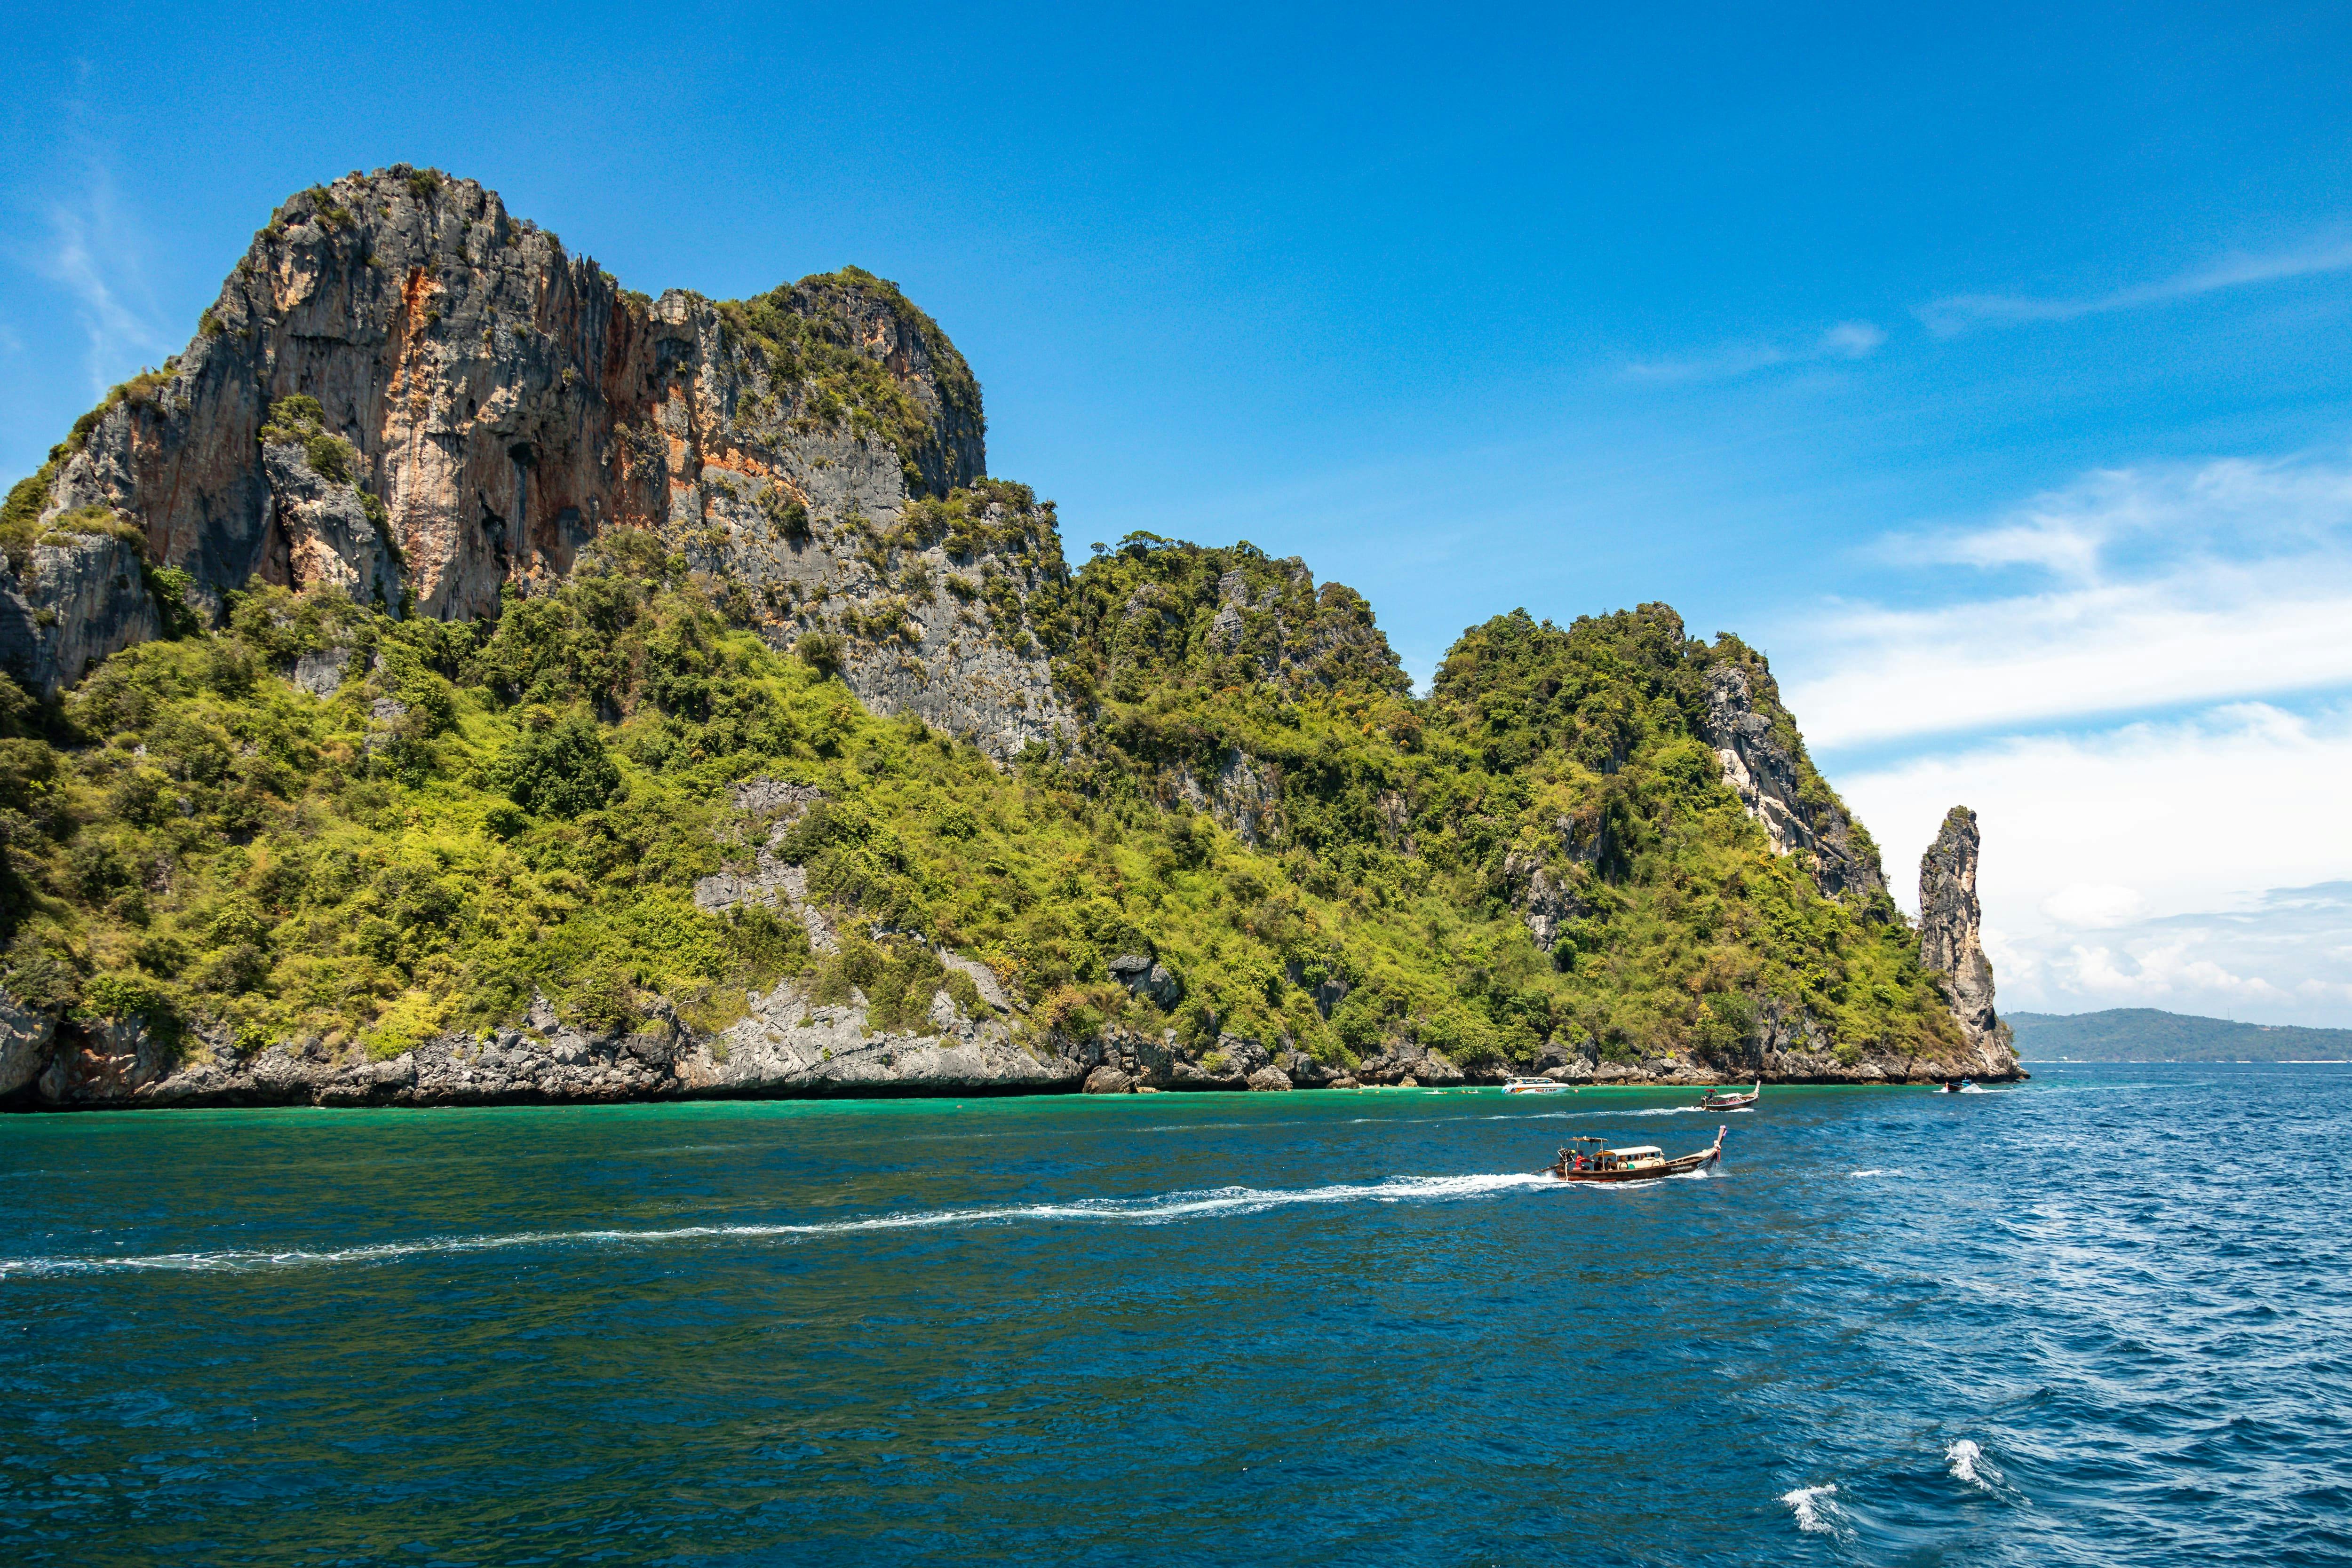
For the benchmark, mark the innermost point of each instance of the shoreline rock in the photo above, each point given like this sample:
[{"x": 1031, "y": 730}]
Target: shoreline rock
[{"x": 788, "y": 1048}]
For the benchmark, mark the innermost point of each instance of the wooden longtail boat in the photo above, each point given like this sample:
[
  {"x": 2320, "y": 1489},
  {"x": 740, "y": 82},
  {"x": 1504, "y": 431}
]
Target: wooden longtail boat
[
  {"x": 1717, "y": 1101},
  {"x": 1642, "y": 1162}
]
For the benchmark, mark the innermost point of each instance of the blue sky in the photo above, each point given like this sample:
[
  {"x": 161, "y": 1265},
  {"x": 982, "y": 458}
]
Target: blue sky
[{"x": 1991, "y": 369}]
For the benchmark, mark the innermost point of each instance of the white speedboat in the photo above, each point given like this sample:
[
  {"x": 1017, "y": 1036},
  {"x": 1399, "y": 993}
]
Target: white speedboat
[{"x": 1535, "y": 1086}]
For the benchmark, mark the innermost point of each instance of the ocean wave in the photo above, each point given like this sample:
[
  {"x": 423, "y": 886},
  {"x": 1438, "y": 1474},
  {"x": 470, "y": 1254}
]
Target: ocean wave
[
  {"x": 1967, "y": 1462},
  {"x": 1160, "y": 1209},
  {"x": 1816, "y": 1509},
  {"x": 1877, "y": 1171},
  {"x": 1964, "y": 1456}
]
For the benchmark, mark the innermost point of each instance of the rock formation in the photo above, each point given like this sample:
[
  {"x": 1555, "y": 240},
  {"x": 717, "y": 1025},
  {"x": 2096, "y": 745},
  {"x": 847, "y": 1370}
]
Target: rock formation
[
  {"x": 1764, "y": 764},
  {"x": 404, "y": 391},
  {"x": 26, "y": 1034},
  {"x": 1950, "y": 944},
  {"x": 406, "y": 397}
]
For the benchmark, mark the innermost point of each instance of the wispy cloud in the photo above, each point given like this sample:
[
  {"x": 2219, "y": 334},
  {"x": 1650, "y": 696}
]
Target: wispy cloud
[
  {"x": 1846, "y": 340},
  {"x": 95, "y": 252},
  {"x": 2133, "y": 589},
  {"x": 1958, "y": 312}
]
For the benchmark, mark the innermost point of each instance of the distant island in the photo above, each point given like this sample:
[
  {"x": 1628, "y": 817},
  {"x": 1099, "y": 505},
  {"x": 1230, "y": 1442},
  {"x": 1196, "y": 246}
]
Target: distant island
[{"x": 2148, "y": 1034}]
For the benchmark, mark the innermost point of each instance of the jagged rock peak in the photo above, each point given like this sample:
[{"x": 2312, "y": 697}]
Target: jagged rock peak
[
  {"x": 1950, "y": 937},
  {"x": 405, "y": 392},
  {"x": 1755, "y": 739}
]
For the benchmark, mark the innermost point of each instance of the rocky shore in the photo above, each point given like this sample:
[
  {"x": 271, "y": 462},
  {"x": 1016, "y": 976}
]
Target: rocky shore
[{"x": 789, "y": 1048}]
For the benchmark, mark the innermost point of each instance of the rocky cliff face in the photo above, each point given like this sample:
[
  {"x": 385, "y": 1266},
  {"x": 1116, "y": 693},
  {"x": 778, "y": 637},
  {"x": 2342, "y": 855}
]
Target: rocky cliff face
[
  {"x": 404, "y": 391},
  {"x": 76, "y": 599},
  {"x": 1949, "y": 941},
  {"x": 1764, "y": 765}
]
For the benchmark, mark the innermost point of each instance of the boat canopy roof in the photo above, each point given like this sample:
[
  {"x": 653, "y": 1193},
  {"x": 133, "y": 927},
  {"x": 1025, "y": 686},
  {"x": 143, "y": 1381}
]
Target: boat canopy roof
[{"x": 1638, "y": 1150}]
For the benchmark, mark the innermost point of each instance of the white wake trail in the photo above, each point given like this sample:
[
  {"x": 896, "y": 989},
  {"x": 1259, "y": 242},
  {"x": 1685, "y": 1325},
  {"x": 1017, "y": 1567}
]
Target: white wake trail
[{"x": 1160, "y": 1209}]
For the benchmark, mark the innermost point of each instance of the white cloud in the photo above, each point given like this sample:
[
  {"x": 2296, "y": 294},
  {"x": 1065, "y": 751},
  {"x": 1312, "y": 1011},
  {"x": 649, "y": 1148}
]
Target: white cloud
[
  {"x": 1846, "y": 340},
  {"x": 2156, "y": 587},
  {"x": 2046, "y": 658},
  {"x": 2130, "y": 867},
  {"x": 1850, "y": 340},
  {"x": 2109, "y": 521},
  {"x": 1960, "y": 311},
  {"x": 2093, "y": 905}
]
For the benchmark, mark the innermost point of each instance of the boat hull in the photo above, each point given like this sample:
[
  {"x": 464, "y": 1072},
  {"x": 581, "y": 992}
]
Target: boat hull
[
  {"x": 1681, "y": 1166},
  {"x": 1643, "y": 1173}
]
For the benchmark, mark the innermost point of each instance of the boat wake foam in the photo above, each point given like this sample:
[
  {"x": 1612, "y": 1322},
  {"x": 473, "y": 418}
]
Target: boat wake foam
[
  {"x": 1587, "y": 1114},
  {"x": 1816, "y": 1509},
  {"x": 1160, "y": 1209}
]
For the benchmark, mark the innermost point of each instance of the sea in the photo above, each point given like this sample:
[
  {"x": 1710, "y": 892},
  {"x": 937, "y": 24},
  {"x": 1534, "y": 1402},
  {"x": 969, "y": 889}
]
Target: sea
[{"x": 2101, "y": 1317}]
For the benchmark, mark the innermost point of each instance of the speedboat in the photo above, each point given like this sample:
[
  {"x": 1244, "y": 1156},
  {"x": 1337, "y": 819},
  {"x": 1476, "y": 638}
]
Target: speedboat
[
  {"x": 1535, "y": 1086},
  {"x": 1640, "y": 1162}
]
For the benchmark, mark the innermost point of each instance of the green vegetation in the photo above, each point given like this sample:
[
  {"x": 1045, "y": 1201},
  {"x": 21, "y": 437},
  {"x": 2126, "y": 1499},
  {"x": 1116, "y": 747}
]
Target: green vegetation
[
  {"x": 819, "y": 374},
  {"x": 487, "y": 811},
  {"x": 102, "y": 522},
  {"x": 20, "y": 515},
  {"x": 299, "y": 421},
  {"x": 324, "y": 207},
  {"x": 1409, "y": 830}
]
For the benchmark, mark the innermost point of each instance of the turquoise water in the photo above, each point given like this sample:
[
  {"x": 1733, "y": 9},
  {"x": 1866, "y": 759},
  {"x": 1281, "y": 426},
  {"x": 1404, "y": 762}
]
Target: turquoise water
[{"x": 2103, "y": 1317}]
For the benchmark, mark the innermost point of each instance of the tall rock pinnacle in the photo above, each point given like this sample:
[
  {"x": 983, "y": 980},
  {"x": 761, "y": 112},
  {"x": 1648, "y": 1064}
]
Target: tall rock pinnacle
[{"x": 1951, "y": 922}]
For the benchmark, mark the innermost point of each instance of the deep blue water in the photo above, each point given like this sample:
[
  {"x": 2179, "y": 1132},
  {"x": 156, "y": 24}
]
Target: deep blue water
[{"x": 2104, "y": 1317}]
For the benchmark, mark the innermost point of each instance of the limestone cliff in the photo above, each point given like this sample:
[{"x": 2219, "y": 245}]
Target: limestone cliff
[
  {"x": 406, "y": 393},
  {"x": 71, "y": 599},
  {"x": 1764, "y": 763},
  {"x": 1950, "y": 943}
]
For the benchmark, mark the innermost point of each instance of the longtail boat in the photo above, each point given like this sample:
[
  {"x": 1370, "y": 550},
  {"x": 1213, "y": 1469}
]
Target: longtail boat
[
  {"x": 1642, "y": 1162},
  {"x": 1717, "y": 1101}
]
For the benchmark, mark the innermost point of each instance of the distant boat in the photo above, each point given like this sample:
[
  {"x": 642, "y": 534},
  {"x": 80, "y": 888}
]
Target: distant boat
[
  {"x": 1535, "y": 1086},
  {"x": 1640, "y": 1162},
  {"x": 1965, "y": 1086},
  {"x": 1717, "y": 1100}
]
